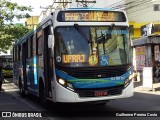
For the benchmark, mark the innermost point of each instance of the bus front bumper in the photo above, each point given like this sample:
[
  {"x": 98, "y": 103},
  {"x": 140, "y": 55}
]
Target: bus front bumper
[{"x": 66, "y": 96}]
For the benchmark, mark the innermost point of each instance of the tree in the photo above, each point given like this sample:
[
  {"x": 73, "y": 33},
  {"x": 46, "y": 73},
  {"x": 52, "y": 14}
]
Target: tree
[{"x": 9, "y": 32}]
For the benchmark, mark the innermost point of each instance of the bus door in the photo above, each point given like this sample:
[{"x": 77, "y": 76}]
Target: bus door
[{"x": 48, "y": 62}]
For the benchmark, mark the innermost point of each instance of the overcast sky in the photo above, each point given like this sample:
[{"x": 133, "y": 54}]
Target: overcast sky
[
  {"x": 45, "y": 3},
  {"x": 35, "y": 5},
  {"x": 36, "y": 11}
]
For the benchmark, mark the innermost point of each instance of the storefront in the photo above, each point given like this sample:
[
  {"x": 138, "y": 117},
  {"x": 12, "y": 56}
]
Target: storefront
[{"x": 146, "y": 52}]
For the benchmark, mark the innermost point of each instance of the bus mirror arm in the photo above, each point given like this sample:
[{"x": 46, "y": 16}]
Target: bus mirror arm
[{"x": 50, "y": 41}]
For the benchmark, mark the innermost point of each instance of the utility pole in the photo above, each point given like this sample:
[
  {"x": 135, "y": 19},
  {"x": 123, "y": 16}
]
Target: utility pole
[
  {"x": 63, "y": 2},
  {"x": 85, "y": 2}
]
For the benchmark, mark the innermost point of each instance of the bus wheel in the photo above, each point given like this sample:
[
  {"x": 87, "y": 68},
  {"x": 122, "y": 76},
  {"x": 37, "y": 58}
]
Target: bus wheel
[
  {"x": 44, "y": 102},
  {"x": 42, "y": 96}
]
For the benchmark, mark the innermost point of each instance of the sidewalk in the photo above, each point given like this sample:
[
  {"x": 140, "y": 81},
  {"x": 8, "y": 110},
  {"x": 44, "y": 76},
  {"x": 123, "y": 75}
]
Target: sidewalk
[{"x": 138, "y": 87}]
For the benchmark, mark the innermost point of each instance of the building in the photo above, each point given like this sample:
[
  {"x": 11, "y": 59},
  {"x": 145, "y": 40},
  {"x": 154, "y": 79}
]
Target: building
[
  {"x": 32, "y": 22},
  {"x": 142, "y": 14}
]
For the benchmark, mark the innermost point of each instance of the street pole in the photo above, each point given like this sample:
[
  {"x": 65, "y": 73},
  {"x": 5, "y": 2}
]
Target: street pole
[{"x": 85, "y": 2}]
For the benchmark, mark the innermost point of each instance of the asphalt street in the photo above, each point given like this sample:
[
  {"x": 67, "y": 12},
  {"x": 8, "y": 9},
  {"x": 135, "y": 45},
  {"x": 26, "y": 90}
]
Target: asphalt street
[{"x": 144, "y": 102}]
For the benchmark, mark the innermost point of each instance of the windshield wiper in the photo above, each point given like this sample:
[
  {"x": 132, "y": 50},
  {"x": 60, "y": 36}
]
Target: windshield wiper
[
  {"x": 82, "y": 33},
  {"x": 105, "y": 37},
  {"x": 87, "y": 38},
  {"x": 102, "y": 39}
]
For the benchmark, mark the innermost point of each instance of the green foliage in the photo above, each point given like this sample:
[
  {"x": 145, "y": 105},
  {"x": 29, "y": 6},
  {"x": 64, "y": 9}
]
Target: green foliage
[{"x": 9, "y": 32}]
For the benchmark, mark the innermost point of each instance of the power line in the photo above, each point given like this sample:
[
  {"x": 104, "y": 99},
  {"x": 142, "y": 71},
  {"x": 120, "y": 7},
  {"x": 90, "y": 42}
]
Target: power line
[
  {"x": 64, "y": 3},
  {"x": 140, "y": 3},
  {"x": 131, "y": 7},
  {"x": 127, "y": 5},
  {"x": 85, "y": 3},
  {"x": 140, "y": 9},
  {"x": 140, "y": 13}
]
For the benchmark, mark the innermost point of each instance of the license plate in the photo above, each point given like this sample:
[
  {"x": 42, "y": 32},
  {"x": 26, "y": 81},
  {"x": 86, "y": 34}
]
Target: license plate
[{"x": 100, "y": 93}]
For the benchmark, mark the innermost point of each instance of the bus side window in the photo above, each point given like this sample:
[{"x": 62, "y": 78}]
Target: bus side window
[
  {"x": 26, "y": 48},
  {"x": 34, "y": 45},
  {"x": 39, "y": 42},
  {"x": 30, "y": 47},
  {"x": 20, "y": 52},
  {"x": 16, "y": 54},
  {"x": 13, "y": 54}
]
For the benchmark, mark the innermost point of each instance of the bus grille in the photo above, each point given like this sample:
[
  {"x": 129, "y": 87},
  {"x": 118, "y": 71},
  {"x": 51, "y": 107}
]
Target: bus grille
[
  {"x": 91, "y": 92},
  {"x": 95, "y": 72}
]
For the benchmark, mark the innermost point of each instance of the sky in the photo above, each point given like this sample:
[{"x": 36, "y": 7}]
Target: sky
[
  {"x": 36, "y": 11},
  {"x": 35, "y": 4},
  {"x": 45, "y": 3}
]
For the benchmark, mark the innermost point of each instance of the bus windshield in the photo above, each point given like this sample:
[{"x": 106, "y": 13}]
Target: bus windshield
[{"x": 92, "y": 46}]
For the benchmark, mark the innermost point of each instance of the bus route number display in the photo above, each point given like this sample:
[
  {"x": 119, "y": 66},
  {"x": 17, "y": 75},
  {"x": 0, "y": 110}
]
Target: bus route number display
[
  {"x": 73, "y": 58},
  {"x": 93, "y": 16}
]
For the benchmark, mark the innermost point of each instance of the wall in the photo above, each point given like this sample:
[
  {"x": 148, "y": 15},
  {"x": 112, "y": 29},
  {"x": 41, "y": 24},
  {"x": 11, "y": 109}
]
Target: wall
[
  {"x": 32, "y": 22},
  {"x": 142, "y": 11}
]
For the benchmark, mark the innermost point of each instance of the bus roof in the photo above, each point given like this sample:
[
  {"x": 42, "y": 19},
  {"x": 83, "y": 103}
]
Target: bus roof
[
  {"x": 87, "y": 8},
  {"x": 98, "y": 9}
]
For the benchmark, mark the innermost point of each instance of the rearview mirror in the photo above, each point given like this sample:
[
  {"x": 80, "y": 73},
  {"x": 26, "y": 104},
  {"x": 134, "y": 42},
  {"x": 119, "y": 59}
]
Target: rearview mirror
[{"x": 50, "y": 41}]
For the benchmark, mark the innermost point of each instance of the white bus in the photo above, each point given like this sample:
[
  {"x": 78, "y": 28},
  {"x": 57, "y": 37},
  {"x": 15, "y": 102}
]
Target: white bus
[{"x": 76, "y": 55}]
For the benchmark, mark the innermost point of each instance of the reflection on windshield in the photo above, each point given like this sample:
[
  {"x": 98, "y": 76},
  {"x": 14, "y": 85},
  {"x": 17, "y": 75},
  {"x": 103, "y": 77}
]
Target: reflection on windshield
[
  {"x": 107, "y": 47},
  {"x": 113, "y": 51}
]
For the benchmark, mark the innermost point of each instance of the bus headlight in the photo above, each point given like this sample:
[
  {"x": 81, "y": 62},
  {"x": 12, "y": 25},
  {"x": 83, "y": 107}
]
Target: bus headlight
[
  {"x": 128, "y": 80},
  {"x": 65, "y": 84},
  {"x": 61, "y": 81}
]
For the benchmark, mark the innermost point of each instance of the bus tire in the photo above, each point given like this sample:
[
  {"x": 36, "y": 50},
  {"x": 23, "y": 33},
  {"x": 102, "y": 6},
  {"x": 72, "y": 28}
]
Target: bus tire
[
  {"x": 44, "y": 102},
  {"x": 42, "y": 97}
]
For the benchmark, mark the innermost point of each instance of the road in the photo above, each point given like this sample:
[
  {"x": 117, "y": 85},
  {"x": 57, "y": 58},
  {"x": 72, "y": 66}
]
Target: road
[{"x": 141, "y": 101}]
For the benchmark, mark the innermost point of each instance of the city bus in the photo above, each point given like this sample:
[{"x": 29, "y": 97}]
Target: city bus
[
  {"x": 76, "y": 55},
  {"x": 7, "y": 66}
]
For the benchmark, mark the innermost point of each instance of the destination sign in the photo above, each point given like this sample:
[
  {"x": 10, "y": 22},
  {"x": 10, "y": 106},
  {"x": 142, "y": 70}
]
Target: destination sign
[
  {"x": 73, "y": 58},
  {"x": 96, "y": 16}
]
